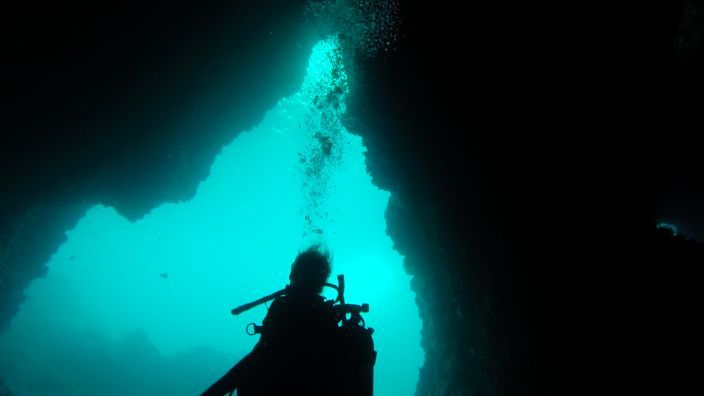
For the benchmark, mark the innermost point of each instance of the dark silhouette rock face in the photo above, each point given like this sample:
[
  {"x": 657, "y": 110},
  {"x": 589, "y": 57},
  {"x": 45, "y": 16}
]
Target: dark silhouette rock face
[
  {"x": 530, "y": 151},
  {"x": 127, "y": 105}
]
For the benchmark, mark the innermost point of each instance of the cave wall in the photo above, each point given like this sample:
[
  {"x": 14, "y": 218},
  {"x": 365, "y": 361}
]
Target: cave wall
[
  {"x": 127, "y": 105},
  {"x": 530, "y": 149}
]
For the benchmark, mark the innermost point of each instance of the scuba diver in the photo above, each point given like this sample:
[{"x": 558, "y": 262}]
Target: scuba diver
[{"x": 308, "y": 345}]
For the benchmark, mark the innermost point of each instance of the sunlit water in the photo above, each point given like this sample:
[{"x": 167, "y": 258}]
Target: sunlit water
[{"x": 143, "y": 307}]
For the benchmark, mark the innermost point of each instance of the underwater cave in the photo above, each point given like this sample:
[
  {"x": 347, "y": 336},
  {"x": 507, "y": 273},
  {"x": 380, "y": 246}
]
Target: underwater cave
[
  {"x": 168, "y": 280},
  {"x": 514, "y": 190}
]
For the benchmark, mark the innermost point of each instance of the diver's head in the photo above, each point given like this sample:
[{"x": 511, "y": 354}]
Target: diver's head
[{"x": 310, "y": 271}]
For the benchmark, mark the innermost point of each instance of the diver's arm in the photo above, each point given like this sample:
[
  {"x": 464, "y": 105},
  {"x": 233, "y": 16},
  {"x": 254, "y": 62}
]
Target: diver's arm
[
  {"x": 232, "y": 379},
  {"x": 250, "y": 363}
]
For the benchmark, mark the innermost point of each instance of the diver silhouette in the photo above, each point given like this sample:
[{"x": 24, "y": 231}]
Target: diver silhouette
[{"x": 303, "y": 349}]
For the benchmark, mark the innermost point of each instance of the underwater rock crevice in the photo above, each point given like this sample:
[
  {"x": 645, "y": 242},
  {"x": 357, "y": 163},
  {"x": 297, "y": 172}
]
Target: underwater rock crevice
[{"x": 519, "y": 147}]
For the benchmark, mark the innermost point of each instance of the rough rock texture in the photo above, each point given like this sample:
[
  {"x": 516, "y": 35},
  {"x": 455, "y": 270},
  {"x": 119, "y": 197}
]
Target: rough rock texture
[
  {"x": 126, "y": 105},
  {"x": 530, "y": 149}
]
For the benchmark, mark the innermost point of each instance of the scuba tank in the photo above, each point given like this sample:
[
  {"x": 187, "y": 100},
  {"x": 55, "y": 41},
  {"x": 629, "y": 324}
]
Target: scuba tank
[{"x": 354, "y": 363}]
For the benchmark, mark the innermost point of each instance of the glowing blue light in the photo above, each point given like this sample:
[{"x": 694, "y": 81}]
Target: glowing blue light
[{"x": 667, "y": 226}]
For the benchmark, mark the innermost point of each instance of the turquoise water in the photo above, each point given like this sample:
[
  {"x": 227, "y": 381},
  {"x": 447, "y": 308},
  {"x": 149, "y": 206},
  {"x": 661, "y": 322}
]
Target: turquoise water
[{"x": 143, "y": 307}]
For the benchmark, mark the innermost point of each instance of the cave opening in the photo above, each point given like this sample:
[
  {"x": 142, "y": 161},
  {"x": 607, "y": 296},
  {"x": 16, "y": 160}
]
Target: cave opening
[{"x": 145, "y": 304}]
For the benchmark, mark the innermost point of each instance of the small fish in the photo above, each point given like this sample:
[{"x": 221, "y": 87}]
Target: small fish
[{"x": 164, "y": 275}]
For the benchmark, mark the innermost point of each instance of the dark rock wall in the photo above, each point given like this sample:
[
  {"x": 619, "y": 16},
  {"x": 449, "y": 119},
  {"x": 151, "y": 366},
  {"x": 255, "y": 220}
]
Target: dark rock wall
[
  {"x": 126, "y": 105},
  {"x": 529, "y": 148}
]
